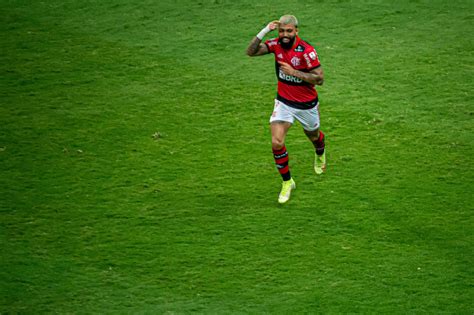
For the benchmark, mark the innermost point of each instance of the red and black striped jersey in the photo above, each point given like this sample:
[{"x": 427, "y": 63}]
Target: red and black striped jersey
[{"x": 303, "y": 57}]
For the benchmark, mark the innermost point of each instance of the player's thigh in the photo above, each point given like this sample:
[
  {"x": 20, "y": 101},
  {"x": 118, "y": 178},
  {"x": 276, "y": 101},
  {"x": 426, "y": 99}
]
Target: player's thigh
[
  {"x": 309, "y": 118},
  {"x": 282, "y": 113}
]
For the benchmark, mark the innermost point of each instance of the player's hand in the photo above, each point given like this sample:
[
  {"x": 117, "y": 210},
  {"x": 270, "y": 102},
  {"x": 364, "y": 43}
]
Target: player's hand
[
  {"x": 267, "y": 29},
  {"x": 287, "y": 68},
  {"x": 273, "y": 25}
]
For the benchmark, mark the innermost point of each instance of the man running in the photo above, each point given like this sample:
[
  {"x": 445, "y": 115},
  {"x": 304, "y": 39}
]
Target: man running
[{"x": 298, "y": 70}]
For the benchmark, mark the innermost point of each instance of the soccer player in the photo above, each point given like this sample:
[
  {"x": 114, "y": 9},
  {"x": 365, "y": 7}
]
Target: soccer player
[{"x": 298, "y": 70}]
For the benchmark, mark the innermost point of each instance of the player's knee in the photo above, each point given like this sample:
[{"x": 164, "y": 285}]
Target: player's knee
[
  {"x": 312, "y": 135},
  {"x": 277, "y": 144}
]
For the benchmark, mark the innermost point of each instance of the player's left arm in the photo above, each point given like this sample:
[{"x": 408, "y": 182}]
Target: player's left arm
[{"x": 314, "y": 76}]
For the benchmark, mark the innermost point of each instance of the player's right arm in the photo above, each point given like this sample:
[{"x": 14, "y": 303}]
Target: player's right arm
[{"x": 256, "y": 47}]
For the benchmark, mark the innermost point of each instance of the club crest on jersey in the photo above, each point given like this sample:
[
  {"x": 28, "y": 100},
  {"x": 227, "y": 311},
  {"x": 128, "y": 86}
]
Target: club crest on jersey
[
  {"x": 299, "y": 48},
  {"x": 295, "y": 61}
]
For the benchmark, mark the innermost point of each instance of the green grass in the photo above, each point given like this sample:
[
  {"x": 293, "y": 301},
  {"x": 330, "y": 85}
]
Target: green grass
[{"x": 137, "y": 174}]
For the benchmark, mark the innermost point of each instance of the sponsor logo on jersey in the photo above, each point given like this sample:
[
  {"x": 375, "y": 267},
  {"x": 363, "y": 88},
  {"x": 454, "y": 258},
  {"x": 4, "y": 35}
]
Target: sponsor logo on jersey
[
  {"x": 280, "y": 56},
  {"x": 313, "y": 55},
  {"x": 295, "y": 61},
  {"x": 299, "y": 48},
  {"x": 288, "y": 78}
]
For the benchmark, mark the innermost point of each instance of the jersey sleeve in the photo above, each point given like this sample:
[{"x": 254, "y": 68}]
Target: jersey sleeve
[
  {"x": 271, "y": 44},
  {"x": 312, "y": 59}
]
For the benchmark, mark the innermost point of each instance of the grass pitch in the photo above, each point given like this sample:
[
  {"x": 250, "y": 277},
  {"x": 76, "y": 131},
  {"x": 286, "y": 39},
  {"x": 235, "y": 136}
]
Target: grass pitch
[{"x": 137, "y": 174}]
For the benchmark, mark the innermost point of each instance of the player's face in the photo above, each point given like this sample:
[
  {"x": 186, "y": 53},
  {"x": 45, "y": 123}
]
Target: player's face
[{"x": 287, "y": 34}]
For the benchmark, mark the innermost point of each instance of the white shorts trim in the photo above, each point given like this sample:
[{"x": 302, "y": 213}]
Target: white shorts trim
[{"x": 308, "y": 118}]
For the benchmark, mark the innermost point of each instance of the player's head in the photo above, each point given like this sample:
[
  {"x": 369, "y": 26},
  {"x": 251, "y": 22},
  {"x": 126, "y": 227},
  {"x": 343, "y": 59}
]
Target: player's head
[
  {"x": 287, "y": 30},
  {"x": 289, "y": 20}
]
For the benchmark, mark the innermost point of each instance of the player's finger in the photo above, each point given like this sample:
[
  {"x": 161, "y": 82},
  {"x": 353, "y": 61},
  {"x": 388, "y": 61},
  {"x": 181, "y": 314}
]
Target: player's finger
[{"x": 274, "y": 24}]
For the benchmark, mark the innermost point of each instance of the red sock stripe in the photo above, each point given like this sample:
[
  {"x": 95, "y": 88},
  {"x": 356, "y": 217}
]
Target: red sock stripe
[
  {"x": 284, "y": 170},
  {"x": 320, "y": 142},
  {"x": 278, "y": 152},
  {"x": 282, "y": 160}
]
